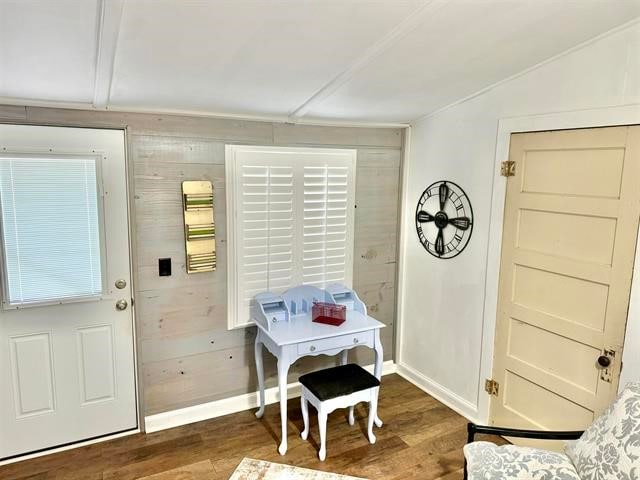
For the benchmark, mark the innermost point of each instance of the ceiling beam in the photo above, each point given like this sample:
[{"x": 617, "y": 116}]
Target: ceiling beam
[
  {"x": 413, "y": 20},
  {"x": 109, "y": 18}
]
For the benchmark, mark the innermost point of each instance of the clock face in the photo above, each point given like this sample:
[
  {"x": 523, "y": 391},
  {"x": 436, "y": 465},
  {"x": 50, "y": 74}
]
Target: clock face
[{"x": 444, "y": 219}]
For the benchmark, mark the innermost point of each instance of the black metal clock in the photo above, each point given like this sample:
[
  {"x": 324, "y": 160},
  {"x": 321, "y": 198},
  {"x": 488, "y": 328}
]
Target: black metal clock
[{"x": 444, "y": 219}]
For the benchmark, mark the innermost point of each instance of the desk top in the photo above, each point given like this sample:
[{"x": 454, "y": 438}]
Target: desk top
[{"x": 302, "y": 329}]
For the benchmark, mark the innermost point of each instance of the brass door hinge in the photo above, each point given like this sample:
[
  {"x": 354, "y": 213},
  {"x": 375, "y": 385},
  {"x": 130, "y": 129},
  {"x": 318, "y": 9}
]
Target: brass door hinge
[
  {"x": 491, "y": 387},
  {"x": 508, "y": 168}
]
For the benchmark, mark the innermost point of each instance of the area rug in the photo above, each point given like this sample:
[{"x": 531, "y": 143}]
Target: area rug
[{"x": 250, "y": 469}]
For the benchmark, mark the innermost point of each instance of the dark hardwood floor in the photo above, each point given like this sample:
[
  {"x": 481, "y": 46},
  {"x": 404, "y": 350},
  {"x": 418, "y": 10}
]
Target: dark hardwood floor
[{"x": 420, "y": 439}]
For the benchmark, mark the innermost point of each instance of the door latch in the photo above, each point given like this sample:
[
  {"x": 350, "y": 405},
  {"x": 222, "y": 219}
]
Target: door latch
[{"x": 605, "y": 362}]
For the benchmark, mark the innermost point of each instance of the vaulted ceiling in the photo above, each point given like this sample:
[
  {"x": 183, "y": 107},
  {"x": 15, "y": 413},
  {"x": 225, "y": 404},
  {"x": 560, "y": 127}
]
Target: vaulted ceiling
[{"x": 353, "y": 60}]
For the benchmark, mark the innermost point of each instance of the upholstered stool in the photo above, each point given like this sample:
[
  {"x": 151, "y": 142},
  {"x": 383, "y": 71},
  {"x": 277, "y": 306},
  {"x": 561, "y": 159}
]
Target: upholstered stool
[{"x": 338, "y": 387}]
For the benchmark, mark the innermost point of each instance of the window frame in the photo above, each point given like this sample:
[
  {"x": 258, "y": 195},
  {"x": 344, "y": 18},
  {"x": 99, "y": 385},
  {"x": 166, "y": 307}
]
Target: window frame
[
  {"x": 231, "y": 183},
  {"x": 97, "y": 156}
]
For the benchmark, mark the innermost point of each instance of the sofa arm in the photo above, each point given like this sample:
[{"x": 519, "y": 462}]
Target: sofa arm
[{"x": 473, "y": 429}]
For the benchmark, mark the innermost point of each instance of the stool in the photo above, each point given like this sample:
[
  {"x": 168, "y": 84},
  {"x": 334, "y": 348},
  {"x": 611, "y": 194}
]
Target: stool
[{"x": 338, "y": 387}]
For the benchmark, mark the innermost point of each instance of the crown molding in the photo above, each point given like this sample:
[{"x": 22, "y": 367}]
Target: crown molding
[{"x": 37, "y": 103}]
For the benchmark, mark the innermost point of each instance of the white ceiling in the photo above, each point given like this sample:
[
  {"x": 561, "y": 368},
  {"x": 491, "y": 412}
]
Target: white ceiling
[{"x": 353, "y": 60}]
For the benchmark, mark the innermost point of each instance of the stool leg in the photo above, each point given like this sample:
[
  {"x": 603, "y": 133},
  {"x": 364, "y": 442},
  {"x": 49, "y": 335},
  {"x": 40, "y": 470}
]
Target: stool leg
[
  {"x": 305, "y": 417},
  {"x": 322, "y": 424},
  {"x": 343, "y": 361},
  {"x": 373, "y": 414}
]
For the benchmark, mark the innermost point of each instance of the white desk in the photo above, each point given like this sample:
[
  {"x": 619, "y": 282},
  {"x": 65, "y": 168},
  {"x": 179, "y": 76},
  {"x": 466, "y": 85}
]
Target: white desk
[{"x": 300, "y": 337}]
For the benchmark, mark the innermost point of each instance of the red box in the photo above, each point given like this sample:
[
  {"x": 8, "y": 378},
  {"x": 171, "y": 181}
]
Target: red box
[{"x": 328, "y": 313}]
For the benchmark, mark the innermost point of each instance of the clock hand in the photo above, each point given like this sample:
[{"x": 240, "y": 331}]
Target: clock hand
[
  {"x": 443, "y": 192},
  {"x": 440, "y": 242},
  {"x": 461, "y": 223},
  {"x": 425, "y": 217}
]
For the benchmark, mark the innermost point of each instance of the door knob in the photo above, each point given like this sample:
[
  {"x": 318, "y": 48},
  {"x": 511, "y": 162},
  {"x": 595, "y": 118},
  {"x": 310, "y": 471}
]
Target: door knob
[
  {"x": 121, "y": 304},
  {"x": 604, "y": 361}
]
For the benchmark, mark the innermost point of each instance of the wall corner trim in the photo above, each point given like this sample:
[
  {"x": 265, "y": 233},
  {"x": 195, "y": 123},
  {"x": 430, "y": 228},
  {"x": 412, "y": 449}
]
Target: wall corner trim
[
  {"x": 225, "y": 406},
  {"x": 440, "y": 393}
]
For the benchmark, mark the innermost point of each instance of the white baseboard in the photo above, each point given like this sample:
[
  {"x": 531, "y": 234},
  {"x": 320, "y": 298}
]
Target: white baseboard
[
  {"x": 440, "y": 393},
  {"x": 49, "y": 451},
  {"x": 218, "y": 408}
]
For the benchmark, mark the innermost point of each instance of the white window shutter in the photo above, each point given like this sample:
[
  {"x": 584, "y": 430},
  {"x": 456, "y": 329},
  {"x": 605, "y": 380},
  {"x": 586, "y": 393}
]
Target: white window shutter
[{"x": 290, "y": 221}]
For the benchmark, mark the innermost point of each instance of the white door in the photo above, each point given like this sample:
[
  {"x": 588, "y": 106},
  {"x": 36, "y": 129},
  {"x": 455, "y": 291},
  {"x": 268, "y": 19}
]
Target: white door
[
  {"x": 570, "y": 229},
  {"x": 66, "y": 344}
]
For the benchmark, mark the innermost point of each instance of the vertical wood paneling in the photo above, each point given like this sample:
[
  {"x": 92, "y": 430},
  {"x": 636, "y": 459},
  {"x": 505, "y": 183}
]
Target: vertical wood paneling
[{"x": 186, "y": 352}]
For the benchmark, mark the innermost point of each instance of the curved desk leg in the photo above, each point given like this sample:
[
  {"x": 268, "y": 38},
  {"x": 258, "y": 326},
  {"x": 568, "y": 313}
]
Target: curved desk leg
[
  {"x": 260, "y": 370},
  {"x": 283, "y": 371},
  {"x": 344, "y": 359},
  {"x": 377, "y": 371}
]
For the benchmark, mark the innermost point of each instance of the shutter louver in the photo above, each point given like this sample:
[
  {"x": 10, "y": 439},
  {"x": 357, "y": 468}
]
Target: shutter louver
[
  {"x": 325, "y": 225},
  {"x": 266, "y": 230}
]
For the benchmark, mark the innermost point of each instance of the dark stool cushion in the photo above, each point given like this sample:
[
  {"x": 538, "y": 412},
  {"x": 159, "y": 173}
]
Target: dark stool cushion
[{"x": 338, "y": 381}]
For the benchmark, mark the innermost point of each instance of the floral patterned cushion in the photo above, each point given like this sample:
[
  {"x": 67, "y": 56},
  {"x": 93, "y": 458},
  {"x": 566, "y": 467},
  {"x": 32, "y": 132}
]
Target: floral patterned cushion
[
  {"x": 610, "y": 448},
  {"x": 487, "y": 461}
]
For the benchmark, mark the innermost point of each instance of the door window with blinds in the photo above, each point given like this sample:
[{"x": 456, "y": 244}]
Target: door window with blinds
[
  {"x": 51, "y": 232},
  {"x": 290, "y": 221}
]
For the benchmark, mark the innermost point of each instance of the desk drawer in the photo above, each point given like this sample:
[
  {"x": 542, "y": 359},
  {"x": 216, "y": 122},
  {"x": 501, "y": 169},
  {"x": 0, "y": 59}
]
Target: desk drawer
[{"x": 341, "y": 341}]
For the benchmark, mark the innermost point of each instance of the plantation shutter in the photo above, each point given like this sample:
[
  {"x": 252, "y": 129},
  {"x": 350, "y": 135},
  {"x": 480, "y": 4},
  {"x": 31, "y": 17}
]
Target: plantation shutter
[{"x": 291, "y": 215}]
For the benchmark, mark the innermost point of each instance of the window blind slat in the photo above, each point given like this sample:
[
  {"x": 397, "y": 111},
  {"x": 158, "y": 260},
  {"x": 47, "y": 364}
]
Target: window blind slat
[{"x": 50, "y": 228}]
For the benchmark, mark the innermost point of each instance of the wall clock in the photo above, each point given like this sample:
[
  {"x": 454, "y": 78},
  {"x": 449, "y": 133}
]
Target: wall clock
[{"x": 444, "y": 219}]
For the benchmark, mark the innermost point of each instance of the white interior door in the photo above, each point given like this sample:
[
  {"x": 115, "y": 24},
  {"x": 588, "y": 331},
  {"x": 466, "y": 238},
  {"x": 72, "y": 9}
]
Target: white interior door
[
  {"x": 66, "y": 326},
  {"x": 570, "y": 229}
]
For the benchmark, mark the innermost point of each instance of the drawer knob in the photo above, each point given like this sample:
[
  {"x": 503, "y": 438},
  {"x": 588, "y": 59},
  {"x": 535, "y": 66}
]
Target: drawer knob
[
  {"x": 355, "y": 340},
  {"x": 274, "y": 320},
  {"x": 312, "y": 348}
]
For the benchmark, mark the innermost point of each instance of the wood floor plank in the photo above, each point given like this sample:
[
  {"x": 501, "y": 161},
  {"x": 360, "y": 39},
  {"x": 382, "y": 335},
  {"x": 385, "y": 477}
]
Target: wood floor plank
[
  {"x": 421, "y": 439},
  {"x": 196, "y": 471}
]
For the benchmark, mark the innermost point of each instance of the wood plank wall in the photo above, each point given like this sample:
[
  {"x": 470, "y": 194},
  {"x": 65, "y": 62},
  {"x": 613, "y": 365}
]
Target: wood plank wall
[{"x": 187, "y": 355}]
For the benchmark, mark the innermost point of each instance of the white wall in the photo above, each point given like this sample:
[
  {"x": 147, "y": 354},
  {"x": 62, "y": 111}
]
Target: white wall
[
  {"x": 442, "y": 301},
  {"x": 631, "y": 358}
]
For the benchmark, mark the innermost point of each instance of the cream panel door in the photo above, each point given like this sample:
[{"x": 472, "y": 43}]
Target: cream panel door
[
  {"x": 571, "y": 222},
  {"x": 66, "y": 350}
]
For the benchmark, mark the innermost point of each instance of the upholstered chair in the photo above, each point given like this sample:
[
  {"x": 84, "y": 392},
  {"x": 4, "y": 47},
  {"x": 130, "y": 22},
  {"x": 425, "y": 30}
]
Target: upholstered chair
[{"x": 608, "y": 450}]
